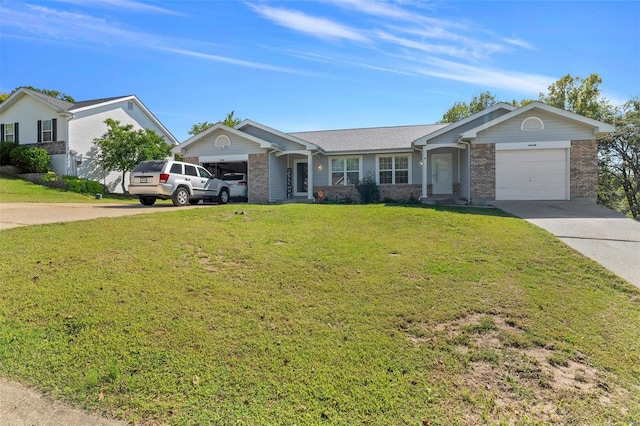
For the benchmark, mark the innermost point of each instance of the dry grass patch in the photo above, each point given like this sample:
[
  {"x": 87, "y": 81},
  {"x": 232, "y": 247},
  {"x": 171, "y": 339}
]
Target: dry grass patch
[{"x": 514, "y": 379}]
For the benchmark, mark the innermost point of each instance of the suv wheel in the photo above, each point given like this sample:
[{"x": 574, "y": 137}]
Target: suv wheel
[
  {"x": 180, "y": 197},
  {"x": 147, "y": 201},
  {"x": 223, "y": 198}
]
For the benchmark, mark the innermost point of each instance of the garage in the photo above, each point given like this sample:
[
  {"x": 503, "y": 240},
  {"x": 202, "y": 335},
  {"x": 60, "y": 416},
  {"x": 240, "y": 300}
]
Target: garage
[
  {"x": 219, "y": 165},
  {"x": 532, "y": 171}
]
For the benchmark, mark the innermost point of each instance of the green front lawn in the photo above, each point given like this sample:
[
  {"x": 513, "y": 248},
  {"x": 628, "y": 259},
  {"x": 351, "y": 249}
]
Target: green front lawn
[
  {"x": 14, "y": 190},
  {"x": 319, "y": 314}
]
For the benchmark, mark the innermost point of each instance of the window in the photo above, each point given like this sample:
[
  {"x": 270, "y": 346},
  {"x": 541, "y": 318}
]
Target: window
[
  {"x": 190, "y": 170},
  {"x": 130, "y": 106},
  {"x": 204, "y": 173},
  {"x": 531, "y": 124},
  {"x": 176, "y": 168},
  {"x": 9, "y": 133},
  {"x": 393, "y": 169},
  {"x": 345, "y": 171},
  {"x": 47, "y": 131}
]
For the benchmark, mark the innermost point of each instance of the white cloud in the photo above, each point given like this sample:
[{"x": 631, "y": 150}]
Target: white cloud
[
  {"x": 55, "y": 25},
  {"x": 304, "y": 23},
  {"x": 529, "y": 84},
  {"x": 132, "y": 5}
]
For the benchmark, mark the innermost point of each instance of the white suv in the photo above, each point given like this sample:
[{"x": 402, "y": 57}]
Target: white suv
[{"x": 183, "y": 183}]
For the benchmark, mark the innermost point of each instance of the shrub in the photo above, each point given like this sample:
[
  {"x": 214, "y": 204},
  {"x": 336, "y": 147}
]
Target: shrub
[
  {"x": 50, "y": 177},
  {"x": 82, "y": 186},
  {"x": 5, "y": 152},
  {"x": 30, "y": 159},
  {"x": 368, "y": 190}
]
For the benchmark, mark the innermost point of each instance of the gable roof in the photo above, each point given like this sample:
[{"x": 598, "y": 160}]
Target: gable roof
[
  {"x": 220, "y": 126},
  {"x": 308, "y": 145},
  {"x": 368, "y": 139},
  {"x": 451, "y": 126},
  {"x": 599, "y": 128},
  {"x": 65, "y": 107}
]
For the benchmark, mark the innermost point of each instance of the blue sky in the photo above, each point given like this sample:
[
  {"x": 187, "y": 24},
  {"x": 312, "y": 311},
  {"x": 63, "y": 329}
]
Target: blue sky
[{"x": 315, "y": 64}]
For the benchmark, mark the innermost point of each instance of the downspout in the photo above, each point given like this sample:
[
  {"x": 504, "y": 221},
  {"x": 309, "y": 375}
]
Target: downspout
[
  {"x": 468, "y": 144},
  {"x": 67, "y": 148}
]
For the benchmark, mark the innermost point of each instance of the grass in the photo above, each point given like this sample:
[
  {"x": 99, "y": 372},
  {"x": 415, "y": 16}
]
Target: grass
[
  {"x": 14, "y": 190},
  {"x": 317, "y": 314}
]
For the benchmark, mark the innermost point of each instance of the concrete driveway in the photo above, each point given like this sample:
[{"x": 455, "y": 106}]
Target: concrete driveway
[{"x": 603, "y": 235}]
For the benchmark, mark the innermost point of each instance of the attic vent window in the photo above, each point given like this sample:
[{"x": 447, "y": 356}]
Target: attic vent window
[
  {"x": 223, "y": 141},
  {"x": 532, "y": 124},
  {"x": 130, "y": 105}
]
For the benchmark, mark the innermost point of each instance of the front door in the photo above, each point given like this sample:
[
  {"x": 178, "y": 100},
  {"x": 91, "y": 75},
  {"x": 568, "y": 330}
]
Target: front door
[
  {"x": 442, "y": 173},
  {"x": 300, "y": 178}
]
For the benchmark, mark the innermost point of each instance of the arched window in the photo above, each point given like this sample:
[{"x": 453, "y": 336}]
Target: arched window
[
  {"x": 532, "y": 124},
  {"x": 223, "y": 141}
]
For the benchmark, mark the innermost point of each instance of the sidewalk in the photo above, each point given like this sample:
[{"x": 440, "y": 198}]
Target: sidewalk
[{"x": 21, "y": 406}]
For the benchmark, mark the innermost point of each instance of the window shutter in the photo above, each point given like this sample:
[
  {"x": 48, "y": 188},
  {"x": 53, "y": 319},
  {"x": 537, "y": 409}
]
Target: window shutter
[
  {"x": 16, "y": 139},
  {"x": 54, "y": 130},
  {"x": 39, "y": 131},
  {"x": 1, "y": 132}
]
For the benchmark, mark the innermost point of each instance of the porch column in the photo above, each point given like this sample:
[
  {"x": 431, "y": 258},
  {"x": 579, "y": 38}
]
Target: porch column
[
  {"x": 424, "y": 173},
  {"x": 309, "y": 176}
]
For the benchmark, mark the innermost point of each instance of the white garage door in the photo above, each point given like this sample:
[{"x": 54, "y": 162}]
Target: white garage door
[{"x": 532, "y": 174}]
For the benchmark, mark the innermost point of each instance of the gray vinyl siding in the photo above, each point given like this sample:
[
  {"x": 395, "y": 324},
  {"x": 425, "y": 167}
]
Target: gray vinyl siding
[
  {"x": 277, "y": 178},
  {"x": 416, "y": 168},
  {"x": 368, "y": 166},
  {"x": 555, "y": 129},
  {"x": 452, "y": 136},
  {"x": 320, "y": 177},
  {"x": 207, "y": 146},
  {"x": 284, "y": 144}
]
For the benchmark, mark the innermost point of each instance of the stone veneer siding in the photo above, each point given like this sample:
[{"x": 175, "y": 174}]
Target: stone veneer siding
[
  {"x": 483, "y": 172},
  {"x": 192, "y": 160},
  {"x": 403, "y": 192},
  {"x": 584, "y": 169},
  {"x": 258, "y": 178}
]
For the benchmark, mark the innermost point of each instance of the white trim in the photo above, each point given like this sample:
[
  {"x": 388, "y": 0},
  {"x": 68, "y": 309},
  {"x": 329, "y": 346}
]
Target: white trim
[
  {"x": 455, "y": 145},
  {"x": 501, "y": 105},
  {"x": 449, "y": 156},
  {"x": 598, "y": 127},
  {"x": 409, "y": 158},
  {"x": 343, "y": 157},
  {"x": 222, "y": 141},
  {"x": 307, "y": 145},
  {"x": 538, "y": 124},
  {"x": 533, "y": 145},
  {"x": 296, "y": 193},
  {"x": 219, "y": 126},
  {"x": 297, "y": 152},
  {"x": 224, "y": 158}
]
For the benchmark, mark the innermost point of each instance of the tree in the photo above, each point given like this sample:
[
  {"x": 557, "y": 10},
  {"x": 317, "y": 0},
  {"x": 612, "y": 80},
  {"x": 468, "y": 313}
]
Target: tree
[
  {"x": 199, "y": 128},
  {"x": 229, "y": 121},
  {"x": 461, "y": 110},
  {"x": 122, "y": 148},
  {"x": 52, "y": 93},
  {"x": 620, "y": 162},
  {"x": 581, "y": 96}
]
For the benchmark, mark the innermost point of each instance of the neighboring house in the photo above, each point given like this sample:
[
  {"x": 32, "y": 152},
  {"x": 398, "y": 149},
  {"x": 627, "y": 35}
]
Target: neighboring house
[
  {"x": 67, "y": 129},
  {"x": 536, "y": 152}
]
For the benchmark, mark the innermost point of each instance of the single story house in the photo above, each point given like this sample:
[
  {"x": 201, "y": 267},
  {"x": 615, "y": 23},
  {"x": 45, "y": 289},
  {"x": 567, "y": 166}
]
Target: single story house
[
  {"x": 67, "y": 129},
  {"x": 534, "y": 152}
]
